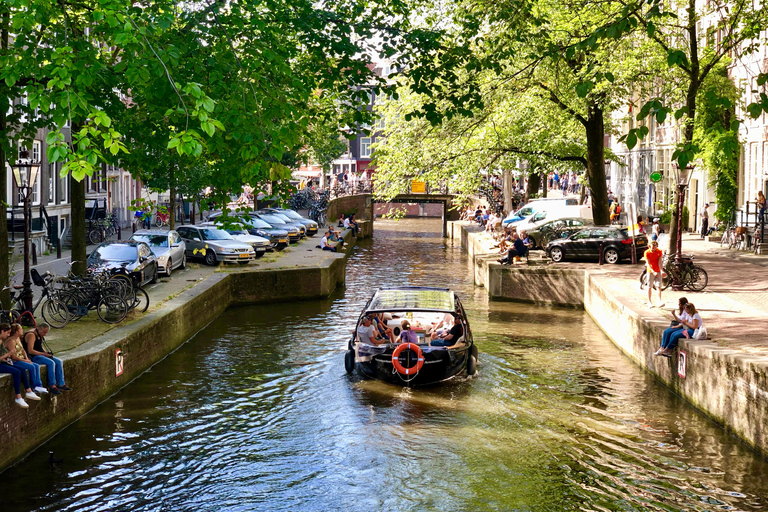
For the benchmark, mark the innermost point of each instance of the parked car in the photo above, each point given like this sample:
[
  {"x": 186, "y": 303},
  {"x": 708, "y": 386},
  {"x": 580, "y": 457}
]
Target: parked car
[
  {"x": 293, "y": 216},
  {"x": 167, "y": 246},
  {"x": 214, "y": 245},
  {"x": 544, "y": 232},
  {"x": 255, "y": 226},
  {"x": 260, "y": 245},
  {"x": 616, "y": 245},
  {"x": 132, "y": 258},
  {"x": 295, "y": 230}
]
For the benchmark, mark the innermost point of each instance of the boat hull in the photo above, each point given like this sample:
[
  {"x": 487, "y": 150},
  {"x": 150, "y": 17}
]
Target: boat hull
[{"x": 440, "y": 364}]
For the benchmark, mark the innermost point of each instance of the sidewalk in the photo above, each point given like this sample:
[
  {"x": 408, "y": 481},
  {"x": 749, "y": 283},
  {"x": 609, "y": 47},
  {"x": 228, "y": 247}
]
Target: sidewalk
[
  {"x": 734, "y": 305},
  {"x": 301, "y": 254}
]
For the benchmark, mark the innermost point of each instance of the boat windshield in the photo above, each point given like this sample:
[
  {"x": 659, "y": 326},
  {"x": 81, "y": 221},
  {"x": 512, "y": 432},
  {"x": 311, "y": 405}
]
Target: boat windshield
[{"x": 413, "y": 299}]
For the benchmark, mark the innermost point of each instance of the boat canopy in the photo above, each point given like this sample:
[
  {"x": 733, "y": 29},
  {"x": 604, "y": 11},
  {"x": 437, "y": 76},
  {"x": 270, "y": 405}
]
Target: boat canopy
[{"x": 412, "y": 298}]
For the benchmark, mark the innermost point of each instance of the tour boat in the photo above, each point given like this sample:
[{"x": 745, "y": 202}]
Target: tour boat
[{"x": 415, "y": 361}]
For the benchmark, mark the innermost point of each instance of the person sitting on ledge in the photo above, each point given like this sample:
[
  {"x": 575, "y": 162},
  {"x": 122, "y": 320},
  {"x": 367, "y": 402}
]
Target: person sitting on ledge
[
  {"x": 17, "y": 375},
  {"x": 21, "y": 360},
  {"x": 671, "y": 337},
  {"x": 324, "y": 245},
  {"x": 451, "y": 337},
  {"x": 341, "y": 221},
  {"x": 34, "y": 340},
  {"x": 349, "y": 223}
]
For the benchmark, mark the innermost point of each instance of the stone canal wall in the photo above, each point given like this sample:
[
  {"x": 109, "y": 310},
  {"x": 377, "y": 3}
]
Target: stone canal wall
[
  {"x": 728, "y": 386},
  {"x": 90, "y": 369}
]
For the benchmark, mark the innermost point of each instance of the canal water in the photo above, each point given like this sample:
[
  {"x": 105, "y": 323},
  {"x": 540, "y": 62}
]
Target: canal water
[{"x": 257, "y": 413}]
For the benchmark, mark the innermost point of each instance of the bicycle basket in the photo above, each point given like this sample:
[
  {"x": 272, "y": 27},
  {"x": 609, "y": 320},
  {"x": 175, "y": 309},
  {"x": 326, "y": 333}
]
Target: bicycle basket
[{"x": 36, "y": 277}]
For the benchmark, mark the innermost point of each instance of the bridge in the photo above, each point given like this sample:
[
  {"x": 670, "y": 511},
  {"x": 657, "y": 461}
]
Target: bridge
[{"x": 445, "y": 199}]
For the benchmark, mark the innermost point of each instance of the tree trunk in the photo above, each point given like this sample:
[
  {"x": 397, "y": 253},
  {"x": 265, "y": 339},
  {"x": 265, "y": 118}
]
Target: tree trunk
[
  {"x": 172, "y": 206},
  {"x": 595, "y": 131},
  {"x": 506, "y": 184},
  {"x": 534, "y": 182},
  {"x": 5, "y": 267},
  {"x": 77, "y": 198}
]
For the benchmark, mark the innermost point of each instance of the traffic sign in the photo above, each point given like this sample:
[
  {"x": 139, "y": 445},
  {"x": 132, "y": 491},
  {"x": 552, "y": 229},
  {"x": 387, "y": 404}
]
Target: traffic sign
[{"x": 656, "y": 176}]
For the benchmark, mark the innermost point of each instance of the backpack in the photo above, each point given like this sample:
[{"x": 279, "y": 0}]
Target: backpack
[{"x": 618, "y": 208}]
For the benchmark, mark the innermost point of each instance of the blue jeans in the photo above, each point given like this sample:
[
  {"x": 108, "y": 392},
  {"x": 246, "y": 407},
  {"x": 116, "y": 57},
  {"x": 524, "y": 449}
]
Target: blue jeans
[
  {"x": 17, "y": 375},
  {"x": 675, "y": 337},
  {"x": 34, "y": 371},
  {"x": 55, "y": 369}
]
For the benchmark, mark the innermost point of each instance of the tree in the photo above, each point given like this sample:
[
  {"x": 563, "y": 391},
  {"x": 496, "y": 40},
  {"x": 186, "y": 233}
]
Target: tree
[
  {"x": 696, "y": 38},
  {"x": 540, "y": 51}
]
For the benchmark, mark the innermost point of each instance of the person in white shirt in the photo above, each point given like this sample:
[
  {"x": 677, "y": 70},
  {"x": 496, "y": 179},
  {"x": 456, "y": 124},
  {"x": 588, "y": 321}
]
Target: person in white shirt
[
  {"x": 367, "y": 333},
  {"x": 324, "y": 245},
  {"x": 689, "y": 323}
]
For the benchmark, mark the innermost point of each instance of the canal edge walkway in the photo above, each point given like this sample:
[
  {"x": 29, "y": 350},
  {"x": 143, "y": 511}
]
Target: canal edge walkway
[
  {"x": 100, "y": 367},
  {"x": 725, "y": 378}
]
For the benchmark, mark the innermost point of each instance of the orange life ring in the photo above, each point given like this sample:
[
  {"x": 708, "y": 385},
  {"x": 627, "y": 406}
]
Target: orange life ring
[{"x": 419, "y": 359}]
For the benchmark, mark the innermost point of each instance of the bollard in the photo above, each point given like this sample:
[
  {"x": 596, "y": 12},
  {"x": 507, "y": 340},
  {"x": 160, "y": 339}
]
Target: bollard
[
  {"x": 134, "y": 227},
  {"x": 34, "y": 254},
  {"x": 601, "y": 257},
  {"x": 119, "y": 233},
  {"x": 58, "y": 250}
]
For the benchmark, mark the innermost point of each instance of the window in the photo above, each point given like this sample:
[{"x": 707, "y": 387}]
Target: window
[
  {"x": 63, "y": 188},
  {"x": 581, "y": 235},
  {"x": 36, "y": 147},
  {"x": 365, "y": 147},
  {"x": 381, "y": 125}
]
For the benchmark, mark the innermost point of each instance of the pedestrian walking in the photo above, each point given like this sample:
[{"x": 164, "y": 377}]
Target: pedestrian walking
[
  {"x": 704, "y": 220},
  {"x": 653, "y": 270},
  {"x": 761, "y": 204}
]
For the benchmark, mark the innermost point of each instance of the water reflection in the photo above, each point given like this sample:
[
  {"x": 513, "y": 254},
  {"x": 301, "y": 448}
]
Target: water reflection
[{"x": 257, "y": 413}]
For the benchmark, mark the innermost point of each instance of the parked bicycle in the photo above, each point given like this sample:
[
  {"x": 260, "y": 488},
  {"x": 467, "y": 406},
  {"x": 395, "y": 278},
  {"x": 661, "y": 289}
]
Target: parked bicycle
[
  {"x": 54, "y": 311},
  {"x": 691, "y": 276}
]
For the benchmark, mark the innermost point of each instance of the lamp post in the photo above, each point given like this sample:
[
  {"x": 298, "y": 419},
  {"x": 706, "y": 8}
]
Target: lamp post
[
  {"x": 683, "y": 179},
  {"x": 25, "y": 175}
]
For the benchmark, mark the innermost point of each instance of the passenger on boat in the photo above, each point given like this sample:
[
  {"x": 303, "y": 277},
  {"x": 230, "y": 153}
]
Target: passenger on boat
[
  {"x": 451, "y": 337},
  {"x": 407, "y": 335},
  {"x": 381, "y": 325},
  {"x": 369, "y": 334},
  {"x": 442, "y": 325}
]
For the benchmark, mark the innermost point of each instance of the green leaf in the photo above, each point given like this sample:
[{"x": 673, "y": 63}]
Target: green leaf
[
  {"x": 609, "y": 77},
  {"x": 661, "y": 116},
  {"x": 631, "y": 140},
  {"x": 650, "y": 28}
]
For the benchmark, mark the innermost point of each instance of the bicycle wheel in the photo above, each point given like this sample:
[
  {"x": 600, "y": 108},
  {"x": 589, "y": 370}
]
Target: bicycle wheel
[
  {"x": 112, "y": 309},
  {"x": 123, "y": 282},
  {"x": 72, "y": 302},
  {"x": 94, "y": 236},
  {"x": 55, "y": 313},
  {"x": 698, "y": 279},
  {"x": 140, "y": 301},
  {"x": 643, "y": 279},
  {"x": 724, "y": 239},
  {"x": 732, "y": 240},
  {"x": 666, "y": 280}
]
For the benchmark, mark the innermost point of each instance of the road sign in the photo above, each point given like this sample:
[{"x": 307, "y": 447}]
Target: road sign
[
  {"x": 118, "y": 362},
  {"x": 656, "y": 176},
  {"x": 418, "y": 187}
]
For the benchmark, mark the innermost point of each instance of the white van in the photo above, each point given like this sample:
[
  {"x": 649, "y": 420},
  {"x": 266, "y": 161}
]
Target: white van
[
  {"x": 538, "y": 205},
  {"x": 543, "y": 215}
]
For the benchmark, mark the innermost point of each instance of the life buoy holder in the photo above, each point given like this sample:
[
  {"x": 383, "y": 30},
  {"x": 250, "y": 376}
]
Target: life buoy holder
[{"x": 419, "y": 359}]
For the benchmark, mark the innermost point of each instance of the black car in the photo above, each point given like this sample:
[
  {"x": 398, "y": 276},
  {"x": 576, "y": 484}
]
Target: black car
[
  {"x": 616, "y": 244},
  {"x": 132, "y": 258},
  {"x": 544, "y": 233}
]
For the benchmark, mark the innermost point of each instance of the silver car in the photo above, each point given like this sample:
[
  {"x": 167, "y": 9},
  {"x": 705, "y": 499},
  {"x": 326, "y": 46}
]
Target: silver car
[
  {"x": 214, "y": 245},
  {"x": 260, "y": 244},
  {"x": 168, "y": 246}
]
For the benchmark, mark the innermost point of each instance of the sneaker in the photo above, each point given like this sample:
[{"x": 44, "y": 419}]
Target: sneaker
[
  {"x": 31, "y": 395},
  {"x": 21, "y": 403},
  {"x": 55, "y": 391},
  {"x": 65, "y": 388},
  {"x": 41, "y": 390}
]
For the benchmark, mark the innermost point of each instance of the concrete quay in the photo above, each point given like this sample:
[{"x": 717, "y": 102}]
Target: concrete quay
[
  {"x": 724, "y": 377},
  {"x": 180, "y": 307}
]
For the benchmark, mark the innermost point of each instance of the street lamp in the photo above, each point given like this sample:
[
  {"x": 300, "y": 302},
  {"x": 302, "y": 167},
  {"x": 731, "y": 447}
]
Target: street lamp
[
  {"x": 25, "y": 175},
  {"x": 683, "y": 179}
]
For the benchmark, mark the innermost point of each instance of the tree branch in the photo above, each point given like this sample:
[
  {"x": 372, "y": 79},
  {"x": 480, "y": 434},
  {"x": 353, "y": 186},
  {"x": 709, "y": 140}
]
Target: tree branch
[{"x": 565, "y": 108}]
